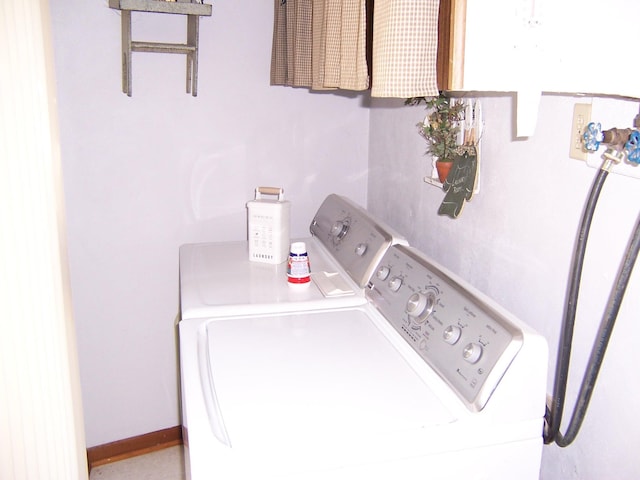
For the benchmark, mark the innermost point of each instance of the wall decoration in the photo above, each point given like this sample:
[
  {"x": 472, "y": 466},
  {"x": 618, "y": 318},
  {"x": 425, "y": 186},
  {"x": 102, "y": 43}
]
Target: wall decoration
[{"x": 452, "y": 129}]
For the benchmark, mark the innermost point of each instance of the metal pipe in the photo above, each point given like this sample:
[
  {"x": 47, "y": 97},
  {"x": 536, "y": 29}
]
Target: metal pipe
[{"x": 616, "y": 137}]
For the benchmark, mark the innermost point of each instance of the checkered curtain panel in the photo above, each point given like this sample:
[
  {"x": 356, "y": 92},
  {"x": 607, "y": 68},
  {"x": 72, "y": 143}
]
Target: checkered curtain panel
[
  {"x": 405, "y": 44},
  {"x": 321, "y": 44}
]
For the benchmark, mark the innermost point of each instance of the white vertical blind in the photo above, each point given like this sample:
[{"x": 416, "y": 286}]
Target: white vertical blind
[{"x": 41, "y": 428}]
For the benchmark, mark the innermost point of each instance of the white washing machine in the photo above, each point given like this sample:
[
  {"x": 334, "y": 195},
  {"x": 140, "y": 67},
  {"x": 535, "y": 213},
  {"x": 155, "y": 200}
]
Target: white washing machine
[{"x": 419, "y": 377}]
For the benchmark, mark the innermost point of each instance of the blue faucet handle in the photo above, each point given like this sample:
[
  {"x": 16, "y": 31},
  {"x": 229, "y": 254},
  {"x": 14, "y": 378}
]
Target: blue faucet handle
[
  {"x": 593, "y": 136},
  {"x": 633, "y": 147}
]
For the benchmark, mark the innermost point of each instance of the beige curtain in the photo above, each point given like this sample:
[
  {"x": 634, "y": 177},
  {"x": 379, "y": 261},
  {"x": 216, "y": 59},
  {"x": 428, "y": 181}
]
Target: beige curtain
[
  {"x": 405, "y": 45},
  {"x": 321, "y": 44}
]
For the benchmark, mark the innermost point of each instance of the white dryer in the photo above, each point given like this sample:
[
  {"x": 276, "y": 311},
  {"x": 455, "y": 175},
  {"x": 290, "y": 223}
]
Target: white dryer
[
  {"x": 420, "y": 376},
  {"x": 345, "y": 247}
]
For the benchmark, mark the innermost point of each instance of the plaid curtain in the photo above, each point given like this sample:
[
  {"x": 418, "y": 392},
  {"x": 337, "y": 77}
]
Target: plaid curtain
[
  {"x": 405, "y": 45},
  {"x": 320, "y": 44}
]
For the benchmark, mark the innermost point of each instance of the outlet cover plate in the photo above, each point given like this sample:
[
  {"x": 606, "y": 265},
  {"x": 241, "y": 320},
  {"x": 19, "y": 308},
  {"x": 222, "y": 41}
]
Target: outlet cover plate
[{"x": 581, "y": 118}]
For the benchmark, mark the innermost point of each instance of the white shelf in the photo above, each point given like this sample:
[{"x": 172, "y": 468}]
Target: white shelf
[{"x": 433, "y": 181}]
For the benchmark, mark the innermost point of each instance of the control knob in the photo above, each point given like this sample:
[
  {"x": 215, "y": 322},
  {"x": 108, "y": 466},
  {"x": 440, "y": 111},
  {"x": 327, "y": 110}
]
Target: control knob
[
  {"x": 452, "y": 334},
  {"x": 340, "y": 229},
  {"x": 420, "y": 305},
  {"x": 395, "y": 283},
  {"x": 472, "y": 352},
  {"x": 361, "y": 249},
  {"x": 383, "y": 272},
  {"x": 416, "y": 304}
]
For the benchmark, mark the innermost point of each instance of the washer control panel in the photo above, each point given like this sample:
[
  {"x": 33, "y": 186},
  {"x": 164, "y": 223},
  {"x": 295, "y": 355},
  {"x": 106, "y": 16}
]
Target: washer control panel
[
  {"x": 355, "y": 239},
  {"x": 467, "y": 341}
]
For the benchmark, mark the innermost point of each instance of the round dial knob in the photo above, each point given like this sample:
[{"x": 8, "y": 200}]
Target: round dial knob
[
  {"x": 421, "y": 305},
  {"x": 472, "y": 352},
  {"x": 361, "y": 249},
  {"x": 395, "y": 283},
  {"x": 416, "y": 304},
  {"x": 383, "y": 272},
  {"x": 452, "y": 334},
  {"x": 339, "y": 229}
]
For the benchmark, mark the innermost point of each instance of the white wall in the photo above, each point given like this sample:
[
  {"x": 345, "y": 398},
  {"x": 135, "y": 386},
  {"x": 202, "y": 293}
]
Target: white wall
[
  {"x": 148, "y": 173},
  {"x": 514, "y": 242}
]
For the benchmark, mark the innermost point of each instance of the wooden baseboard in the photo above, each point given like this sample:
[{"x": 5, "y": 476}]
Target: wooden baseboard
[{"x": 134, "y": 446}]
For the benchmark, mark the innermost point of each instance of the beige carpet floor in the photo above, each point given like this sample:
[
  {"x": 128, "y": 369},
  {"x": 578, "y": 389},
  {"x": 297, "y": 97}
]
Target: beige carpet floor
[{"x": 167, "y": 464}]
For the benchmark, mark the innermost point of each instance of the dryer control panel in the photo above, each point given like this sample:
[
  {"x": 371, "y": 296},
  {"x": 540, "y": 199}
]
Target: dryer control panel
[
  {"x": 355, "y": 239},
  {"x": 468, "y": 341}
]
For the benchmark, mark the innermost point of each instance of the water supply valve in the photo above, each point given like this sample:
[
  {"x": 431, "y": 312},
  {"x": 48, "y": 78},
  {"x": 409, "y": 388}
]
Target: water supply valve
[
  {"x": 593, "y": 136},
  {"x": 632, "y": 148},
  {"x": 622, "y": 145}
]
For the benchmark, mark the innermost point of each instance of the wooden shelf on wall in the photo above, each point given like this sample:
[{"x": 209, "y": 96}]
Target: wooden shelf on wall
[
  {"x": 193, "y": 11},
  {"x": 162, "y": 6}
]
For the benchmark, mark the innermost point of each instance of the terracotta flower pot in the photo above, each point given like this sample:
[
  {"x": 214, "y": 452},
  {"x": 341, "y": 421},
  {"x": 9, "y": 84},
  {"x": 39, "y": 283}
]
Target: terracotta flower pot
[{"x": 443, "y": 170}]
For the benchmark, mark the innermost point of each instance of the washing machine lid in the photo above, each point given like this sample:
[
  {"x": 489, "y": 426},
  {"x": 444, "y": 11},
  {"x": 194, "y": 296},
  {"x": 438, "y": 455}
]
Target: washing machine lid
[
  {"x": 302, "y": 381},
  {"x": 218, "y": 279}
]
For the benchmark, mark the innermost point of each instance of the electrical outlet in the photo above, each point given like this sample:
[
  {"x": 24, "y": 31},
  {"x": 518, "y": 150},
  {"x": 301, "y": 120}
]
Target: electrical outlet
[{"x": 581, "y": 118}]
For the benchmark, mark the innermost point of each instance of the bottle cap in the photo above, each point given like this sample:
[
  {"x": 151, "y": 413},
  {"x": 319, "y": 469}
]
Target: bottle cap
[{"x": 298, "y": 248}]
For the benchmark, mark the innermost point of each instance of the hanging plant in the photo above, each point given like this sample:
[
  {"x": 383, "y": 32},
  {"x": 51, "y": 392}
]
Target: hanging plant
[{"x": 441, "y": 127}]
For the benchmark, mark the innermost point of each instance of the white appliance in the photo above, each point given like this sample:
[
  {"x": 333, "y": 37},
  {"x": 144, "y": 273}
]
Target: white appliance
[
  {"x": 419, "y": 377},
  {"x": 219, "y": 279}
]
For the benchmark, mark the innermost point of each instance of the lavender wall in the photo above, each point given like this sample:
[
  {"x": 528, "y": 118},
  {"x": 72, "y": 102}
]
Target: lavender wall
[{"x": 145, "y": 174}]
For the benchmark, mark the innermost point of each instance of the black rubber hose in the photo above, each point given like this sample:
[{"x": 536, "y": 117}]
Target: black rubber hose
[
  {"x": 600, "y": 346},
  {"x": 554, "y": 416}
]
